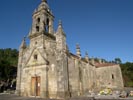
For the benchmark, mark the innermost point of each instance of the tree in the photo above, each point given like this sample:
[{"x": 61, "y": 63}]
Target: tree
[
  {"x": 8, "y": 63},
  {"x": 118, "y": 61},
  {"x": 127, "y": 70}
]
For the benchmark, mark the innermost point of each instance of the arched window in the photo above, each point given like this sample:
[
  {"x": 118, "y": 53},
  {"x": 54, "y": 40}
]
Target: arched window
[
  {"x": 37, "y": 28},
  {"x": 38, "y": 20},
  {"x": 47, "y": 25},
  {"x": 47, "y": 21}
]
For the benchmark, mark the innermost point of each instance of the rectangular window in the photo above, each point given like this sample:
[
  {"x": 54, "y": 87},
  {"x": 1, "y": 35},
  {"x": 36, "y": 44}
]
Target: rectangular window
[
  {"x": 35, "y": 57},
  {"x": 112, "y": 76}
]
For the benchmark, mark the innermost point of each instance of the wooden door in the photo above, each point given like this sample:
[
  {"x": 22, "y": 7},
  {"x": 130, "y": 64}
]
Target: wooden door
[
  {"x": 33, "y": 81},
  {"x": 38, "y": 86},
  {"x": 35, "y": 86}
]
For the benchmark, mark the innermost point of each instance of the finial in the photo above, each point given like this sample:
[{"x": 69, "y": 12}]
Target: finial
[
  {"x": 77, "y": 46},
  {"x": 24, "y": 38},
  {"x": 78, "y": 50},
  {"x": 60, "y": 22},
  {"x": 86, "y": 56},
  {"x": 92, "y": 60},
  {"x": 44, "y": 1},
  {"x": 35, "y": 10}
]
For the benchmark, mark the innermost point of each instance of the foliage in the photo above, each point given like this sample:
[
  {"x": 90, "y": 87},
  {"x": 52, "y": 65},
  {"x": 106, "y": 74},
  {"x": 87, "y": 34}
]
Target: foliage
[
  {"x": 8, "y": 63},
  {"x": 118, "y": 61},
  {"x": 127, "y": 72},
  {"x": 102, "y": 60}
]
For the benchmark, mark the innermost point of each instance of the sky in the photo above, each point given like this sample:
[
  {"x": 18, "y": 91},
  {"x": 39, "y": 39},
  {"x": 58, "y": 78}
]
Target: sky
[{"x": 103, "y": 28}]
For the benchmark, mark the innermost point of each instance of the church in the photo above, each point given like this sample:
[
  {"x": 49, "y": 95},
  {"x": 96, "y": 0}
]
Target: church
[{"x": 47, "y": 69}]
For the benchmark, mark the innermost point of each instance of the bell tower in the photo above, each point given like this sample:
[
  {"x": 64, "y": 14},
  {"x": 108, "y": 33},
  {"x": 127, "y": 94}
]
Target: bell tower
[
  {"x": 42, "y": 25},
  {"x": 42, "y": 20}
]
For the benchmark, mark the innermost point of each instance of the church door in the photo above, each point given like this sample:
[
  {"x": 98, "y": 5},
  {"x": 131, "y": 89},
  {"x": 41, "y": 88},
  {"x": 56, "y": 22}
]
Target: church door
[{"x": 35, "y": 86}]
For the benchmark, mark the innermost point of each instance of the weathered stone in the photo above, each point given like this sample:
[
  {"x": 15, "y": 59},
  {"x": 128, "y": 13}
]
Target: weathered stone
[{"x": 47, "y": 69}]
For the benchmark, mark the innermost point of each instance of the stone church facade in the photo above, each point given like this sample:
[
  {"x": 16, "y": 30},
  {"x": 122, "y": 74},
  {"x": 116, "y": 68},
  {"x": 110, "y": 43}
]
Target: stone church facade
[{"x": 46, "y": 68}]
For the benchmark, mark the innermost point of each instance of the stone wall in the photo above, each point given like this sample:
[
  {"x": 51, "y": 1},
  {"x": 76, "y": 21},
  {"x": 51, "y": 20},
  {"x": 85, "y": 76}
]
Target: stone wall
[
  {"x": 109, "y": 76},
  {"x": 82, "y": 76},
  {"x": 73, "y": 70}
]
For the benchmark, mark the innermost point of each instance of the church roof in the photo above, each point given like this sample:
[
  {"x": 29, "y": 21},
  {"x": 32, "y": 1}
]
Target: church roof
[
  {"x": 97, "y": 64},
  {"x": 77, "y": 57}
]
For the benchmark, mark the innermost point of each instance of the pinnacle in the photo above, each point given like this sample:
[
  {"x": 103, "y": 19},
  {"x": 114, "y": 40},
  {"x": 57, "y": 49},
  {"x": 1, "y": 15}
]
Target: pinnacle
[
  {"x": 23, "y": 44},
  {"x": 77, "y": 46},
  {"x": 60, "y": 22}
]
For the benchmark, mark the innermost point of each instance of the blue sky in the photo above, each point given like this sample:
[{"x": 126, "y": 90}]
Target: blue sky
[{"x": 104, "y": 28}]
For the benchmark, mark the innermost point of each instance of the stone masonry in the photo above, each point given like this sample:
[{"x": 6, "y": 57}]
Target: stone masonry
[{"x": 47, "y": 69}]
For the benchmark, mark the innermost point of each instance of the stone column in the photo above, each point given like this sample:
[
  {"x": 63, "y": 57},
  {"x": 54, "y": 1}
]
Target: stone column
[
  {"x": 19, "y": 73},
  {"x": 18, "y": 85}
]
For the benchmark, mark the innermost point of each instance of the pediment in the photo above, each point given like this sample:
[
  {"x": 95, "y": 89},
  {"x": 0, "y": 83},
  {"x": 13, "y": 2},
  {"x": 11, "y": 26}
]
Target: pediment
[{"x": 36, "y": 58}]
